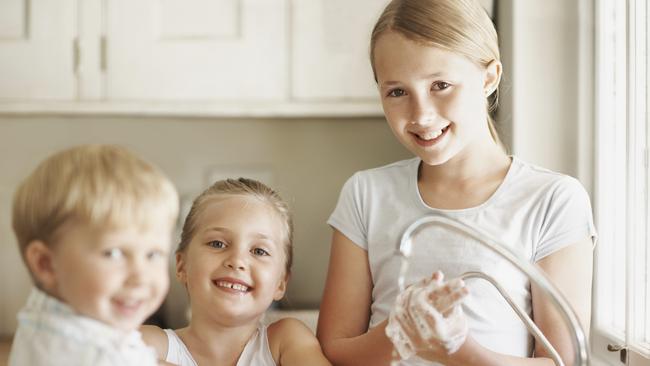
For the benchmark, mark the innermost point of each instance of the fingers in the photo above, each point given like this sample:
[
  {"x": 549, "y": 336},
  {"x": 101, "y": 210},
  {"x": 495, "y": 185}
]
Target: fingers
[
  {"x": 438, "y": 276},
  {"x": 444, "y": 298},
  {"x": 400, "y": 329},
  {"x": 453, "y": 301},
  {"x": 426, "y": 317}
]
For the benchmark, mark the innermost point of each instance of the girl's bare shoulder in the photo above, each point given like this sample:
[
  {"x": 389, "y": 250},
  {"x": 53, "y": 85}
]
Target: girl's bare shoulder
[
  {"x": 288, "y": 332},
  {"x": 293, "y": 343},
  {"x": 156, "y": 338}
]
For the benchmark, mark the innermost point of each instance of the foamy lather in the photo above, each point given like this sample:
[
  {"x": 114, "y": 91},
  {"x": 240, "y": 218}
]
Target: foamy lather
[{"x": 412, "y": 307}]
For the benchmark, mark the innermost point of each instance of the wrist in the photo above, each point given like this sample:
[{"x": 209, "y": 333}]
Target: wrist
[{"x": 464, "y": 355}]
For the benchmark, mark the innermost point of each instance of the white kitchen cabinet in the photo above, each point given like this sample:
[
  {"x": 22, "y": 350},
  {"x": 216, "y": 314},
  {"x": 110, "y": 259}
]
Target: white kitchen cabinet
[
  {"x": 331, "y": 43},
  {"x": 259, "y": 58},
  {"x": 37, "y": 50},
  {"x": 193, "y": 50}
]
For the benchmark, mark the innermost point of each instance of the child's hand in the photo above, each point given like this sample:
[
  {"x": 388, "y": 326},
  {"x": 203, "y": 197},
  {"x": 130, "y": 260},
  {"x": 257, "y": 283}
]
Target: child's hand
[{"x": 427, "y": 318}]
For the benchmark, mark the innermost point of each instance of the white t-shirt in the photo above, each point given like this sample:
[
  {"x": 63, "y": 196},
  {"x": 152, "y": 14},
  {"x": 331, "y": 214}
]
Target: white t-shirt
[
  {"x": 534, "y": 211},
  {"x": 51, "y": 333}
]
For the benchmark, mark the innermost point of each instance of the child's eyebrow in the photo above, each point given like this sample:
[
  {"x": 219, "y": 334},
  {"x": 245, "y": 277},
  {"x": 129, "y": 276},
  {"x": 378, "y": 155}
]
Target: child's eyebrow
[
  {"x": 259, "y": 235},
  {"x": 390, "y": 83},
  {"x": 264, "y": 237},
  {"x": 217, "y": 229}
]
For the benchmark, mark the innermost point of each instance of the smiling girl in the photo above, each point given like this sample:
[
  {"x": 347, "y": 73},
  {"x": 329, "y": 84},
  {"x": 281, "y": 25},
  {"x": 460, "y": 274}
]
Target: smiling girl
[
  {"x": 437, "y": 68},
  {"x": 234, "y": 259}
]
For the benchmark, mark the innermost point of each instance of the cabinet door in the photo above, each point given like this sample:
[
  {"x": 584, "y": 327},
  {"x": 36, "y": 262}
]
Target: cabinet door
[
  {"x": 196, "y": 50},
  {"x": 37, "y": 50},
  {"x": 331, "y": 40}
]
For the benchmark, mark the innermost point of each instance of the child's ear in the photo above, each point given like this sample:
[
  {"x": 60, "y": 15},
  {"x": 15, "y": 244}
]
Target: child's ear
[
  {"x": 38, "y": 257},
  {"x": 181, "y": 274},
  {"x": 492, "y": 77},
  {"x": 282, "y": 288}
]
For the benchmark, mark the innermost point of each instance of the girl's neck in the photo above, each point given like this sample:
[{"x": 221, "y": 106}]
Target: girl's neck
[
  {"x": 211, "y": 342},
  {"x": 471, "y": 164},
  {"x": 467, "y": 180}
]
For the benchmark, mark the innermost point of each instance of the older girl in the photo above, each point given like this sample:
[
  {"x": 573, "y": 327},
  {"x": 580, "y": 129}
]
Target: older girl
[{"x": 436, "y": 63}]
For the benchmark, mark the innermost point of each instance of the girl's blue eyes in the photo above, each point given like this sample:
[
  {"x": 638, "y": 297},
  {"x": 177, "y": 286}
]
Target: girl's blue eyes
[
  {"x": 396, "y": 93},
  {"x": 216, "y": 244},
  {"x": 438, "y": 86},
  {"x": 256, "y": 251}
]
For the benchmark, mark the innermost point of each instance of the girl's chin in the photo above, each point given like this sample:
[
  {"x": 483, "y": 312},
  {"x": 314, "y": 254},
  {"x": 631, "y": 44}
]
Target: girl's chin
[{"x": 434, "y": 159}]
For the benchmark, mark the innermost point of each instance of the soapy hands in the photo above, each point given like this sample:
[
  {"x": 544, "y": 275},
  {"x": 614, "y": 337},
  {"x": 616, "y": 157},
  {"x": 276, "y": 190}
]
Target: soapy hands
[{"x": 427, "y": 317}]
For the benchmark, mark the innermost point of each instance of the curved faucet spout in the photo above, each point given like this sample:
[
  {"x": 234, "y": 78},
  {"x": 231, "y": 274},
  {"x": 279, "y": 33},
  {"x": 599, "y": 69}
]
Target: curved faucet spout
[{"x": 535, "y": 275}]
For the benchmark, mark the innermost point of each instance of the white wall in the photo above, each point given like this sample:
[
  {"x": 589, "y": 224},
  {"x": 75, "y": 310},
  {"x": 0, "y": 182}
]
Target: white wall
[
  {"x": 309, "y": 159},
  {"x": 540, "y": 90}
]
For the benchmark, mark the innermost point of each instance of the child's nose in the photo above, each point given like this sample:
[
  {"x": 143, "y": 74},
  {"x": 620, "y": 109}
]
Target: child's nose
[
  {"x": 236, "y": 262},
  {"x": 137, "y": 270},
  {"x": 423, "y": 112}
]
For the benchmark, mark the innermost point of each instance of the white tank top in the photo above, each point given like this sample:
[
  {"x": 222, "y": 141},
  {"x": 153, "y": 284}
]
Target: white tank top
[{"x": 256, "y": 352}]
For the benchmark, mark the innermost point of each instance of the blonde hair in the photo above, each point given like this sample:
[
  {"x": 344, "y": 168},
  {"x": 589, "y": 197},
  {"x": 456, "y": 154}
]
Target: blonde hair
[
  {"x": 243, "y": 187},
  {"x": 459, "y": 26},
  {"x": 99, "y": 185}
]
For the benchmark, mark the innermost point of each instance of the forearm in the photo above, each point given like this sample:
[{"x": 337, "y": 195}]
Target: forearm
[
  {"x": 471, "y": 353},
  {"x": 372, "y": 348}
]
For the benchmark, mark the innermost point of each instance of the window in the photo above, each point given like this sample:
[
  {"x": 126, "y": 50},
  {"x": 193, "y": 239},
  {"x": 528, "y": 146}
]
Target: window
[{"x": 622, "y": 292}]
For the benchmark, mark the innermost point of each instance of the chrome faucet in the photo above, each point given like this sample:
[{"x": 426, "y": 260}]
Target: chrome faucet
[{"x": 579, "y": 339}]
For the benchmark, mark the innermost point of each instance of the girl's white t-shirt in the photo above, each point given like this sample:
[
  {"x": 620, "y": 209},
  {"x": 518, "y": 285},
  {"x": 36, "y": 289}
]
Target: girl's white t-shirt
[{"x": 534, "y": 211}]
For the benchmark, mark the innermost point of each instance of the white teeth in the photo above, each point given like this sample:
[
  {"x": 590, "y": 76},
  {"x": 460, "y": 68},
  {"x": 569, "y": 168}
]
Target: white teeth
[
  {"x": 239, "y": 287},
  {"x": 128, "y": 303},
  {"x": 234, "y": 286},
  {"x": 430, "y": 135}
]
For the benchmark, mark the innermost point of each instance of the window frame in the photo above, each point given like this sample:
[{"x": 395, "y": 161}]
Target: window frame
[{"x": 621, "y": 315}]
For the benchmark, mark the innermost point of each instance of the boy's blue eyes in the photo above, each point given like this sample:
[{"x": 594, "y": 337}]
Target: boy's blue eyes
[
  {"x": 156, "y": 254},
  {"x": 113, "y": 253},
  {"x": 117, "y": 253},
  {"x": 259, "y": 251}
]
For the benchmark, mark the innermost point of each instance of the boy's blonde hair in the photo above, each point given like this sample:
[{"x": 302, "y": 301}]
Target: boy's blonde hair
[
  {"x": 459, "y": 26},
  {"x": 99, "y": 185},
  {"x": 242, "y": 187}
]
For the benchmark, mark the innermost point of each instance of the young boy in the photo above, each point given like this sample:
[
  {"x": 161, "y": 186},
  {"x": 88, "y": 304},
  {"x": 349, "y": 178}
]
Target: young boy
[{"x": 94, "y": 226}]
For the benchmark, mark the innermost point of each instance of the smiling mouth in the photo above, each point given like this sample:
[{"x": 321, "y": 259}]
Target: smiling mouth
[
  {"x": 127, "y": 307},
  {"x": 231, "y": 286},
  {"x": 429, "y": 138}
]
